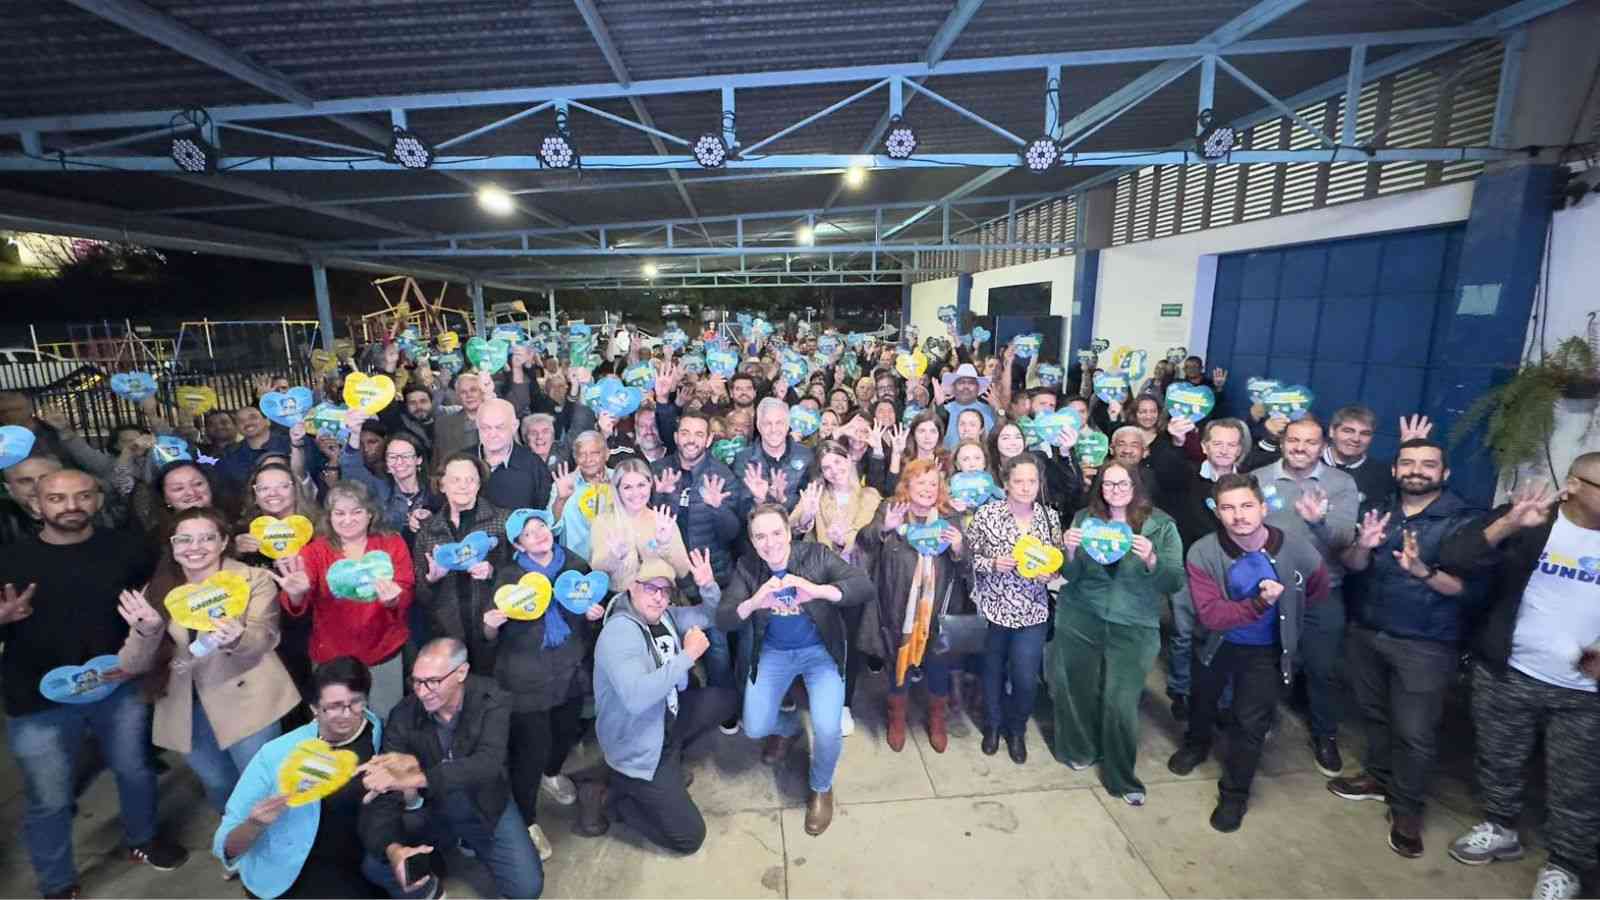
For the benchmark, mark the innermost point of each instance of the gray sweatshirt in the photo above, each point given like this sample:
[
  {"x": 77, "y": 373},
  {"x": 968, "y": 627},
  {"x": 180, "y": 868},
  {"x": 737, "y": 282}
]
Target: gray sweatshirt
[
  {"x": 635, "y": 681},
  {"x": 1336, "y": 531}
]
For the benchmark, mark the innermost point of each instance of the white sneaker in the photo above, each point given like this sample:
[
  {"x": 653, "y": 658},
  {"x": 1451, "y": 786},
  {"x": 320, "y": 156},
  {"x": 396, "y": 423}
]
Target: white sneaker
[
  {"x": 847, "y": 722},
  {"x": 1133, "y": 798},
  {"x": 1555, "y": 883},
  {"x": 1485, "y": 843},
  {"x": 559, "y": 788},
  {"x": 540, "y": 842}
]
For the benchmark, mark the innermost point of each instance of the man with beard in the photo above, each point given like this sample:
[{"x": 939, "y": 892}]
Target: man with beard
[
  {"x": 742, "y": 391},
  {"x": 221, "y": 434},
  {"x": 1405, "y": 645},
  {"x": 58, "y": 607},
  {"x": 1320, "y": 504},
  {"x": 413, "y": 417},
  {"x": 260, "y": 440}
]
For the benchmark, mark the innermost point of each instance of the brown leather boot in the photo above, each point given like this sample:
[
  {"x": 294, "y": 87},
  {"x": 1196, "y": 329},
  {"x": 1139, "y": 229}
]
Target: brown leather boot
[
  {"x": 897, "y": 722},
  {"x": 938, "y": 736},
  {"x": 819, "y": 812},
  {"x": 776, "y": 748}
]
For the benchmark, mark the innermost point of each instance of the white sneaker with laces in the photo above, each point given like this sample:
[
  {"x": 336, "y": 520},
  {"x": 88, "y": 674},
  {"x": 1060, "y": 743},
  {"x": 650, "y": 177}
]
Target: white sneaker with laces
[
  {"x": 1485, "y": 843},
  {"x": 847, "y": 723},
  {"x": 559, "y": 788},
  {"x": 540, "y": 842},
  {"x": 1555, "y": 883}
]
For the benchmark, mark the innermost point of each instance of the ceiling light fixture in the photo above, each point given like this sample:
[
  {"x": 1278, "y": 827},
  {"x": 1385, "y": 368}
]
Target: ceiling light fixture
[
  {"x": 556, "y": 150},
  {"x": 855, "y": 176},
  {"x": 900, "y": 141},
  {"x": 1042, "y": 154},
  {"x": 805, "y": 235},
  {"x": 1215, "y": 141},
  {"x": 496, "y": 199},
  {"x": 409, "y": 151},
  {"x": 710, "y": 151},
  {"x": 650, "y": 270},
  {"x": 190, "y": 150}
]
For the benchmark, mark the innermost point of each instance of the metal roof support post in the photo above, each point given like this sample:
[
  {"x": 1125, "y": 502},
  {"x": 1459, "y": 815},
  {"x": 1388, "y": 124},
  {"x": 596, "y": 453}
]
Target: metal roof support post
[
  {"x": 1208, "y": 82},
  {"x": 1506, "y": 93},
  {"x": 1052, "y": 100},
  {"x": 1352, "y": 94},
  {"x": 479, "y": 316},
  {"x": 319, "y": 282}
]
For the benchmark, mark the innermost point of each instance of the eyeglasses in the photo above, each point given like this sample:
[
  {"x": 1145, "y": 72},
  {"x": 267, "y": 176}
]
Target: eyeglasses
[
  {"x": 1119, "y": 485},
  {"x": 432, "y": 685},
  {"x": 1584, "y": 480},
  {"x": 356, "y": 706},
  {"x": 399, "y": 457},
  {"x": 651, "y": 587},
  {"x": 185, "y": 541}
]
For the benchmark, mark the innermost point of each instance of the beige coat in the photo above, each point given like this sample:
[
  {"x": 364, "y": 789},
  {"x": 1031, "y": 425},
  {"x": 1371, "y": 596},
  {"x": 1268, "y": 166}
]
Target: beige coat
[
  {"x": 243, "y": 689},
  {"x": 618, "y": 545}
]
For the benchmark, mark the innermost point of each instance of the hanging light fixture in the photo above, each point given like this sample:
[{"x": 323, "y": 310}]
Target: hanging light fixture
[
  {"x": 855, "y": 176},
  {"x": 1215, "y": 141},
  {"x": 650, "y": 270},
  {"x": 806, "y": 235},
  {"x": 409, "y": 151},
  {"x": 190, "y": 149},
  {"x": 495, "y": 199},
  {"x": 900, "y": 141},
  {"x": 556, "y": 150},
  {"x": 710, "y": 151},
  {"x": 1041, "y": 154}
]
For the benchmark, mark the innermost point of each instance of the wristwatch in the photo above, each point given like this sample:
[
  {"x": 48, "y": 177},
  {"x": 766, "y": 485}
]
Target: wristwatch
[{"x": 1432, "y": 571}]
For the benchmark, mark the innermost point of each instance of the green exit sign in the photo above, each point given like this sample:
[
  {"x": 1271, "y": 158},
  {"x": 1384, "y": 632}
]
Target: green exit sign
[{"x": 1172, "y": 310}]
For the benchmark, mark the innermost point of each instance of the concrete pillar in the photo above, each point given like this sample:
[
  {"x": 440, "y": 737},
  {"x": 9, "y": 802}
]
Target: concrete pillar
[
  {"x": 319, "y": 283},
  {"x": 905, "y": 309},
  {"x": 963, "y": 299}
]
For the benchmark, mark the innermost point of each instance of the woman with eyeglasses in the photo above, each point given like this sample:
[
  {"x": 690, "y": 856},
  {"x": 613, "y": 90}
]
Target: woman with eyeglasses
[
  {"x": 371, "y": 626},
  {"x": 1108, "y": 627},
  {"x": 631, "y": 531},
  {"x": 540, "y": 665},
  {"x": 402, "y": 491},
  {"x": 915, "y": 583},
  {"x": 832, "y": 511},
  {"x": 457, "y": 600},
  {"x": 1017, "y": 606},
  {"x": 218, "y": 695},
  {"x": 310, "y": 849}
]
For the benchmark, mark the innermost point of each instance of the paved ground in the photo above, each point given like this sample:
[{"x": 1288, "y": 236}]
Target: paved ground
[{"x": 918, "y": 823}]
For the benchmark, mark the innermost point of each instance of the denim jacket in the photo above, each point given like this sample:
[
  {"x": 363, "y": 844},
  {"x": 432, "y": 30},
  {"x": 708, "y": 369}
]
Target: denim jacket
[{"x": 273, "y": 862}]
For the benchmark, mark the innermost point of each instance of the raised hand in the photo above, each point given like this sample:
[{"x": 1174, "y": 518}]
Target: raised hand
[
  {"x": 566, "y": 478},
  {"x": 810, "y": 502},
  {"x": 1371, "y": 533},
  {"x": 713, "y": 490},
  {"x": 898, "y": 439},
  {"x": 667, "y": 380},
  {"x": 1067, "y": 439},
  {"x": 494, "y": 617},
  {"x": 894, "y": 515},
  {"x": 246, "y": 544},
  {"x": 667, "y": 480},
  {"x": 755, "y": 483},
  {"x": 1219, "y": 377},
  {"x": 695, "y": 643},
  {"x": 952, "y": 536},
  {"x": 1531, "y": 505},
  {"x": 1409, "y": 556},
  {"x": 939, "y": 396},
  {"x": 1114, "y": 410},
  {"x": 1312, "y": 505},
  {"x": 1180, "y": 429},
  {"x": 607, "y": 423},
  {"x": 666, "y": 524},
  {"x": 291, "y": 576},
  {"x": 1071, "y": 541},
  {"x": 1275, "y": 426},
  {"x": 1416, "y": 427},
  {"x": 133, "y": 608},
  {"x": 1145, "y": 550},
  {"x": 297, "y": 433},
  {"x": 875, "y": 438},
  {"x": 780, "y": 486},
  {"x": 700, "y": 567}
]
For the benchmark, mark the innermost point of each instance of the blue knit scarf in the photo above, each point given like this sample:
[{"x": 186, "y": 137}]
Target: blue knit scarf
[{"x": 556, "y": 629}]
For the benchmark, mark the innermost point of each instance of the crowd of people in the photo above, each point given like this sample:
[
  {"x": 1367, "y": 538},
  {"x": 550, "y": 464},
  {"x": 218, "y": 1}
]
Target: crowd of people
[{"x": 737, "y": 541}]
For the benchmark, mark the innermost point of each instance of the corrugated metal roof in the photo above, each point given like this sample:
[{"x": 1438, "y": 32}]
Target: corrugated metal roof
[{"x": 56, "y": 59}]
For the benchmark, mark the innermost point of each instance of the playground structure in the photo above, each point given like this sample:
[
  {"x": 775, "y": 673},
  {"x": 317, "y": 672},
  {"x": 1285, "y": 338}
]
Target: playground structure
[{"x": 428, "y": 316}]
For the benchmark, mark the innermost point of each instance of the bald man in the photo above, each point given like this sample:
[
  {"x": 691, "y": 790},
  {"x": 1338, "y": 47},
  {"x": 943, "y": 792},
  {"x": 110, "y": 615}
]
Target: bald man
[
  {"x": 444, "y": 753},
  {"x": 518, "y": 478},
  {"x": 58, "y": 607},
  {"x": 1534, "y": 672}
]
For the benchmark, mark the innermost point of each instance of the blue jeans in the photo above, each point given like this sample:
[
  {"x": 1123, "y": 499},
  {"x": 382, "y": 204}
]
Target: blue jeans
[
  {"x": 1180, "y": 645},
  {"x": 505, "y": 850},
  {"x": 217, "y": 768},
  {"x": 1014, "y": 654},
  {"x": 46, "y": 746},
  {"x": 718, "y": 659},
  {"x": 1321, "y": 650},
  {"x": 825, "y": 689}
]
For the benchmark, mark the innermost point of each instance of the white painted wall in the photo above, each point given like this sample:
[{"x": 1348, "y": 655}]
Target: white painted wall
[
  {"x": 927, "y": 297},
  {"x": 1137, "y": 279}
]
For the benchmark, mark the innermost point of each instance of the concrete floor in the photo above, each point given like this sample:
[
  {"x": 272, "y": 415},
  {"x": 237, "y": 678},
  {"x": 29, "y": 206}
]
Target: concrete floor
[{"x": 918, "y": 823}]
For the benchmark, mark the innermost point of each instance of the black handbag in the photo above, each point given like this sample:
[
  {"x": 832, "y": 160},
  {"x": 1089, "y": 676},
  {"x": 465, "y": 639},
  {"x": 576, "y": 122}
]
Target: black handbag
[{"x": 960, "y": 634}]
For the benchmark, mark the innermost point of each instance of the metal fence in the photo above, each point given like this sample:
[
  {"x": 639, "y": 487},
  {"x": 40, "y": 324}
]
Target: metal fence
[{"x": 83, "y": 391}]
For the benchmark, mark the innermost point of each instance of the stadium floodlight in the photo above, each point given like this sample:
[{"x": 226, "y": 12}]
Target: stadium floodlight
[
  {"x": 710, "y": 151},
  {"x": 900, "y": 141},
  {"x": 190, "y": 149},
  {"x": 1215, "y": 141},
  {"x": 1042, "y": 154},
  {"x": 408, "y": 150}
]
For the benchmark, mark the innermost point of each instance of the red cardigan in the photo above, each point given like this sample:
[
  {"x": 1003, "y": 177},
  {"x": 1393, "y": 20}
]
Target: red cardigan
[{"x": 371, "y": 632}]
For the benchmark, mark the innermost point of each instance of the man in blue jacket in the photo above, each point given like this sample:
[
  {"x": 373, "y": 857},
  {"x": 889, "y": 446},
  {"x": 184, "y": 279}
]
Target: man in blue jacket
[
  {"x": 645, "y": 711},
  {"x": 1405, "y": 645}
]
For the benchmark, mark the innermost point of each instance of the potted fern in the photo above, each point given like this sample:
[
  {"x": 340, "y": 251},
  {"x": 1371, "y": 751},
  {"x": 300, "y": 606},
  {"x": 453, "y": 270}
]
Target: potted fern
[{"x": 1519, "y": 417}]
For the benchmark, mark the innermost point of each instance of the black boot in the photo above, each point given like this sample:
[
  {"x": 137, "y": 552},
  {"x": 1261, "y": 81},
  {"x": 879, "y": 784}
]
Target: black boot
[
  {"x": 1229, "y": 813},
  {"x": 1017, "y": 746},
  {"x": 991, "y": 741}
]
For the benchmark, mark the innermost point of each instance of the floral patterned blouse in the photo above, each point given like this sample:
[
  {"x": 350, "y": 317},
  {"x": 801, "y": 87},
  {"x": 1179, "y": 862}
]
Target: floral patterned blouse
[{"x": 1006, "y": 598}]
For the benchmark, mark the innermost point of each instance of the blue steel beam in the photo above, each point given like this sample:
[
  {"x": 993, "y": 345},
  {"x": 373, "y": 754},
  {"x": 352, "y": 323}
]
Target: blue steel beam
[{"x": 1219, "y": 43}]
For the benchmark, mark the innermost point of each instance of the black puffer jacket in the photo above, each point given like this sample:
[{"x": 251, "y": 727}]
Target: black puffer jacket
[{"x": 537, "y": 677}]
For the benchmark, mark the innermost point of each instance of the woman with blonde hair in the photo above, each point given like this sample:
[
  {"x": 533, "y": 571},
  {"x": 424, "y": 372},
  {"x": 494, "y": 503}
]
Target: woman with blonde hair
[
  {"x": 833, "y": 510},
  {"x": 916, "y": 583},
  {"x": 632, "y": 532}
]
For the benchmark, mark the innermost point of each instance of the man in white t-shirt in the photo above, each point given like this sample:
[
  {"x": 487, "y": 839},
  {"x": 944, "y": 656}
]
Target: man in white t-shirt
[{"x": 1535, "y": 673}]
